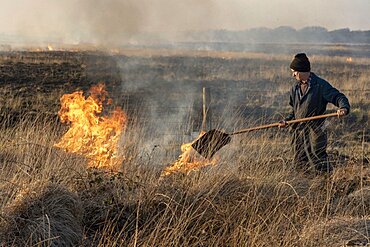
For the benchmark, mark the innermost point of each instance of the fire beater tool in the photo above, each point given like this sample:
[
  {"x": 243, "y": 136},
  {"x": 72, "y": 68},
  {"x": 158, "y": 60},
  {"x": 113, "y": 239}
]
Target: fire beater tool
[{"x": 212, "y": 141}]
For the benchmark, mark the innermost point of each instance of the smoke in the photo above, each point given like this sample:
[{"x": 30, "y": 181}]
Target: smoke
[
  {"x": 165, "y": 104},
  {"x": 117, "y": 21},
  {"x": 109, "y": 22}
]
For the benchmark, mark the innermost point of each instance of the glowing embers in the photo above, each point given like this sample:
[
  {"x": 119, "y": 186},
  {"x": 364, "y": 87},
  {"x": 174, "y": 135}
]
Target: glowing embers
[
  {"x": 92, "y": 135},
  {"x": 189, "y": 160}
]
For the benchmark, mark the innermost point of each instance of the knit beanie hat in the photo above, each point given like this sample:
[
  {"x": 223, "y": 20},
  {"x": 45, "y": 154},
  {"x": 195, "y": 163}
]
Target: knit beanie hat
[{"x": 300, "y": 63}]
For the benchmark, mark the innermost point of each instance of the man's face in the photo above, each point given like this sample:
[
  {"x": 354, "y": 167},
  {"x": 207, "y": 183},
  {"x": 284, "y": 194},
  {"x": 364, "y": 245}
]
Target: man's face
[
  {"x": 300, "y": 76},
  {"x": 295, "y": 74}
]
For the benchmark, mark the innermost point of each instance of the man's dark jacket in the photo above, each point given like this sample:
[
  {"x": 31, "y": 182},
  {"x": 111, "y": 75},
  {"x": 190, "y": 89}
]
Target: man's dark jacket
[{"x": 314, "y": 102}]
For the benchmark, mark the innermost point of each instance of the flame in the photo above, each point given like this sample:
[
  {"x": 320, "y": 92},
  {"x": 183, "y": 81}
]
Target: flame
[
  {"x": 349, "y": 59},
  {"x": 189, "y": 160},
  {"x": 50, "y": 48},
  {"x": 96, "y": 137}
]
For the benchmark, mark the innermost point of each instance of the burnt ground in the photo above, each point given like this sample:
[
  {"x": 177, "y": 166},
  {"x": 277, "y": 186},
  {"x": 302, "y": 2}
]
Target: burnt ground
[
  {"x": 165, "y": 88},
  {"x": 131, "y": 81}
]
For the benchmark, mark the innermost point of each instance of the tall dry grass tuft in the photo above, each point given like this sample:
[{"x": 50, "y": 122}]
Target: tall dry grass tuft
[
  {"x": 337, "y": 232},
  {"x": 37, "y": 205},
  {"x": 46, "y": 215}
]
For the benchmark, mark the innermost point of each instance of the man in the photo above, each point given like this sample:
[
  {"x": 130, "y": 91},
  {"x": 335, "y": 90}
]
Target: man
[{"x": 309, "y": 97}]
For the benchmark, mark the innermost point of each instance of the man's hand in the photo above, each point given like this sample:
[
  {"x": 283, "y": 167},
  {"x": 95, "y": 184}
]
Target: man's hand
[
  {"x": 342, "y": 112},
  {"x": 283, "y": 124}
]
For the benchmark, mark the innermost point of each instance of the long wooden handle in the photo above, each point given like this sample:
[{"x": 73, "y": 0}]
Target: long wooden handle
[{"x": 288, "y": 122}]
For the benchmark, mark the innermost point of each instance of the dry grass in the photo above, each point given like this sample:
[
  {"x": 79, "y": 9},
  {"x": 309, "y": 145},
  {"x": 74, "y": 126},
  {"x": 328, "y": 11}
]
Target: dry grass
[{"x": 254, "y": 197}]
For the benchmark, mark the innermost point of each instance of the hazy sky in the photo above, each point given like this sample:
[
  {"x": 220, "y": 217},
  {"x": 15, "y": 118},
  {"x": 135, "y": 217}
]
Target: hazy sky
[{"x": 100, "y": 19}]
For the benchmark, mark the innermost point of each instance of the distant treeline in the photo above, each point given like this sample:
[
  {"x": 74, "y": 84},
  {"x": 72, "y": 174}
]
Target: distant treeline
[
  {"x": 280, "y": 35},
  {"x": 283, "y": 34}
]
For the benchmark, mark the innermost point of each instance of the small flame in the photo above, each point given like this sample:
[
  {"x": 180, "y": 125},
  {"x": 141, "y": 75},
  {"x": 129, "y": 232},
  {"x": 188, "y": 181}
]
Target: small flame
[
  {"x": 349, "y": 60},
  {"x": 96, "y": 137},
  {"x": 188, "y": 161},
  {"x": 50, "y": 48}
]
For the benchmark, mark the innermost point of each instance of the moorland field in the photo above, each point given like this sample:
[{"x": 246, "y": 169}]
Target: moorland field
[{"x": 251, "y": 196}]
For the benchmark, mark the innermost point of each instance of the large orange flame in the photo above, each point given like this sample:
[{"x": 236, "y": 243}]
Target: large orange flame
[
  {"x": 189, "y": 160},
  {"x": 96, "y": 137}
]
